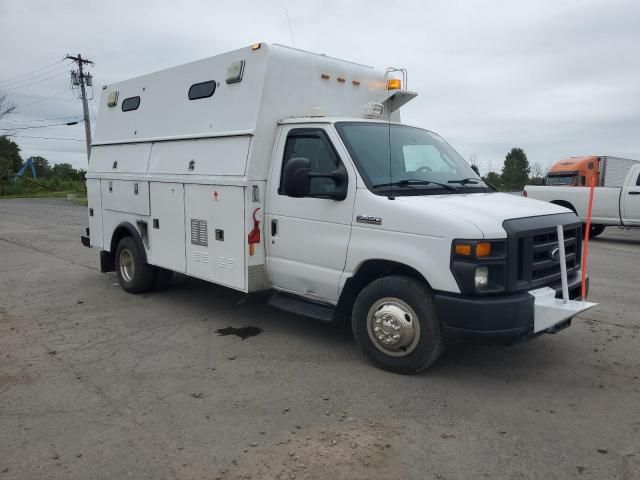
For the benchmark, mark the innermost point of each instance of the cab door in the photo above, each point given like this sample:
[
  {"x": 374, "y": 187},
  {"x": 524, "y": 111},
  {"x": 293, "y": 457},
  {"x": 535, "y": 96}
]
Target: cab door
[
  {"x": 630, "y": 198},
  {"x": 308, "y": 237}
]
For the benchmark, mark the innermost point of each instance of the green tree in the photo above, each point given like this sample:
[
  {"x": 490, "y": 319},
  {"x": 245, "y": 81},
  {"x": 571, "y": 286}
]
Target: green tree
[
  {"x": 66, "y": 171},
  {"x": 494, "y": 179},
  {"x": 43, "y": 169},
  {"x": 10, "y": 160},
  {"x": 515, "y": 172}
]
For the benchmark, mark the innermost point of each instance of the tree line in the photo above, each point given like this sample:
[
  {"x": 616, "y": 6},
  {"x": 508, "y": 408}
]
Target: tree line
[
  {"x": 11, "y": 162},
  {"x": 52, "y": 180}
]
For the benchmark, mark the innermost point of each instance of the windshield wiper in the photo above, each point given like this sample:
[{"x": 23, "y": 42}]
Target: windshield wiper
[
  {"x": 466, "y": 181},
  {"x": 410, "y": 182}
]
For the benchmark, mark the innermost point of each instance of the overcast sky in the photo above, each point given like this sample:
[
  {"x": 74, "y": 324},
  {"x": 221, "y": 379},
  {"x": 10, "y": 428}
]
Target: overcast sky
[{"x": 556, "y": 78}]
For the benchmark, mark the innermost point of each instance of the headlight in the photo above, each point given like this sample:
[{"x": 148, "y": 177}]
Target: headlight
[
  {"x": 479, "y": 266},
  {"x": 482, "y": 276}
]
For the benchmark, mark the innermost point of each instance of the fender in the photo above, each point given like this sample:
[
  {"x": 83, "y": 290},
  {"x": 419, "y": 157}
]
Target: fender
[{"x": 126, "y": 229}]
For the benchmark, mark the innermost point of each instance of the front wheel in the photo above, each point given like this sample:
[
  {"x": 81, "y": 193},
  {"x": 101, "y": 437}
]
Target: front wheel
[{"x": 396, "y": 325}]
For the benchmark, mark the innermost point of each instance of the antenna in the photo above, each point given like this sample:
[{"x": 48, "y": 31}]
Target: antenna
[{"x": 293, "y": 43}]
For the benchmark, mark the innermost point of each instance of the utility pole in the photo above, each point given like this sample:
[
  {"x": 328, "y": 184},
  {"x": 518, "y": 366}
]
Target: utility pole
[{"x": 82, "y": 79}]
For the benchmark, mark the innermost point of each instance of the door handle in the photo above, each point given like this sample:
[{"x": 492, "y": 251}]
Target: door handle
[
  {"x": 634, "y": 193},
  {"x": 274, "y": 228}
]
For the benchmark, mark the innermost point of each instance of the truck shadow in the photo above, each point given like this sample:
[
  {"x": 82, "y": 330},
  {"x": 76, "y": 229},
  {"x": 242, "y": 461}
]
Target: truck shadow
[{"x": 462, "y": 357}]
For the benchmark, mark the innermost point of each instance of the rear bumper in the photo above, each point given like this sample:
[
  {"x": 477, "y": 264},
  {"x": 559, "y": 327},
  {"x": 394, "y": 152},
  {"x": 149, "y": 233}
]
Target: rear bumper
[{"x": 510, "y": 315}]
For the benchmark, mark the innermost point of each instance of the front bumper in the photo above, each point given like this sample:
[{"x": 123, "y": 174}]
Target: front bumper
[{"x": 510, "y": 315}]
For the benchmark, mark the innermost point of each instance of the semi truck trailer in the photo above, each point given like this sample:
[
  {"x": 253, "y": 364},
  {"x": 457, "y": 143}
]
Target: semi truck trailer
[{"x": 273, "y": 168}]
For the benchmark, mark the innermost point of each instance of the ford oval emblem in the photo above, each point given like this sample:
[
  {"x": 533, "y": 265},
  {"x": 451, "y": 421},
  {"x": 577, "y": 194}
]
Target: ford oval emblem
[{"x": 555, "y": 253}]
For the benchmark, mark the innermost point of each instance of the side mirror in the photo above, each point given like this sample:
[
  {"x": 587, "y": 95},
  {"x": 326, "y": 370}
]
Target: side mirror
[
  {"x": 297, "y": 175},
  {"x": 296, "y": 179}
]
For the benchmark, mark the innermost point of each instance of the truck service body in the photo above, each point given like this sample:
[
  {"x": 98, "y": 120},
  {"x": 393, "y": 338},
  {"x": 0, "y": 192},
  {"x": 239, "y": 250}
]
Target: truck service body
[
  {"x": 274, "y": 168},
  {"x": 616, "y": 200}
]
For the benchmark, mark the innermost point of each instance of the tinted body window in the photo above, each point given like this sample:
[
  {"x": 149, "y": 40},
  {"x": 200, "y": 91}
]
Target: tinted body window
[
  {"x": 131, "y": 103},
  {"x": 202, "y": 90},
  {"x": 314, "y": 145}
]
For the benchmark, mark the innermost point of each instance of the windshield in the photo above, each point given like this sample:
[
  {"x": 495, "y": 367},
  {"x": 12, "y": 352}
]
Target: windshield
[
  {"x": 561, "y": 179},
  {"x": 418, "y": 162}
]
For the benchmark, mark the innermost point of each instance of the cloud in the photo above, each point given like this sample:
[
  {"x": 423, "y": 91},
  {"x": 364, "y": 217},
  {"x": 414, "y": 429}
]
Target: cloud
[{"x": 555, "y": 78}]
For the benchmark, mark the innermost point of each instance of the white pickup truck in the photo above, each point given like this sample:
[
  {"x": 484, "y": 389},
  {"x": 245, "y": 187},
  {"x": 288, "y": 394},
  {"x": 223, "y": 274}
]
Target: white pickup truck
[{"x": 612, "y": 205}]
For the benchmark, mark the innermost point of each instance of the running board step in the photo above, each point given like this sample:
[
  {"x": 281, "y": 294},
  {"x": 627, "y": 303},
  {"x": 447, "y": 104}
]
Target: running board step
[{"x": 302, "y": 307}]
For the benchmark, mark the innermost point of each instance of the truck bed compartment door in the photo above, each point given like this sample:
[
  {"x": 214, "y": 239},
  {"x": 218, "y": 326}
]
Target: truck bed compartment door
[
  {"x": 166, "y": 227},
  {"x": 215, "y": 233}
]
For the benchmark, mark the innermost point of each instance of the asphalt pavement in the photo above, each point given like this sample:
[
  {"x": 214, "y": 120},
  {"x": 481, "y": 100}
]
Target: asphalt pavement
[{"x": 96, "y": 383}]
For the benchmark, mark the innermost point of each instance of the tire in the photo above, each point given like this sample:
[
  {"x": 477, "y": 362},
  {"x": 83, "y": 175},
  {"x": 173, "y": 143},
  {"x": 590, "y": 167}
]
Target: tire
[
  {"x": 162, "y": 278},
  {"x": 595, "y": 230},
  {"x": 135, "y": 275},
  {"x": 420, "y": 341}
]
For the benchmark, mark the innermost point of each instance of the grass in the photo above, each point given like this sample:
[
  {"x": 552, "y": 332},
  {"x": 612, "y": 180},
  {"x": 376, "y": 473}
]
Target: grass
[{"x": 57, "y": 188}]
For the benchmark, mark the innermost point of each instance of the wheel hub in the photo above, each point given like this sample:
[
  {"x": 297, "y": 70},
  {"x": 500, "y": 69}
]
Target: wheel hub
[
  {"x": 393, "y": 327},
  {"x": 126, "y": 265}
]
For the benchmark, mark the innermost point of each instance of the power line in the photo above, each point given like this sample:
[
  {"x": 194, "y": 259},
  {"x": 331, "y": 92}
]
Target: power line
[
  {"x": 8, "y": 80},
  {"x": 15, "y": 83},
  {"x": 44, "y": 99},
  {"x": 38, "y": 119},
  {"x": 47, "y": 138},
  {"x": 36, "y": 82},
  {"x": 43, "y": 126}
]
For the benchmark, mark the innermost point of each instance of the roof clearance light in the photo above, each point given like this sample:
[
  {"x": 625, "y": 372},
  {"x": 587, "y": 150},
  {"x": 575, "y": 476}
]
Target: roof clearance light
[
  {"x": 256, "y": 46},
  {"x": 394, "y": 84},
  {"x": 112, "y": 98},
  {"x": 235, "y": 72},
  {"x": 373, "y": 110}
]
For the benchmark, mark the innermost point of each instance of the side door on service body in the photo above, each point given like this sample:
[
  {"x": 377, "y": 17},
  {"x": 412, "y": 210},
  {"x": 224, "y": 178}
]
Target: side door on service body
[
  {"x": 630, "y": 198},
  {"x": 308, "y": 237}
]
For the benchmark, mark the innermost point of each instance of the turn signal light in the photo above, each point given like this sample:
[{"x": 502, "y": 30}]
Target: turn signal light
[
  {"x": 483, "y": 249},
  {"x": 394, "y": 84},
  {"x": 463, "y": 249}
]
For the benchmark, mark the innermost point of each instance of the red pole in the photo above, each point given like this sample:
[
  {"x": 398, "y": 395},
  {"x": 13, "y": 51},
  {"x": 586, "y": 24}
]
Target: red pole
[{"x": 585, "y": 248}]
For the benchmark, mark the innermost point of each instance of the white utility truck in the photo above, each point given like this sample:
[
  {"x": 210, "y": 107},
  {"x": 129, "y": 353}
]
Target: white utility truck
[
  {"x": 273, "y": 168},
  {"x": 616, "y": 201}
]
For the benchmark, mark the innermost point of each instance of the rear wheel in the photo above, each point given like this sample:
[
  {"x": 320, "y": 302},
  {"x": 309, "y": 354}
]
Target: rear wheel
[
  {"x": 396, "y": 324},
  {"x": 135, "y": 275}
]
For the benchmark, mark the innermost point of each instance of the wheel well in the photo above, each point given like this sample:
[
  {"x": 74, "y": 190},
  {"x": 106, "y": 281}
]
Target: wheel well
[
  {"x": 120, "y": 232},
  {"x": 123, "y": 230},
  {"x": 564, "y": 203},
  {"x": 368, "y": 272}
]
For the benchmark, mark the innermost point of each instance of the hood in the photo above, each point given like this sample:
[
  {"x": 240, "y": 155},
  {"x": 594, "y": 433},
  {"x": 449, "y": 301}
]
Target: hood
[{"x": 486, "y": 211}]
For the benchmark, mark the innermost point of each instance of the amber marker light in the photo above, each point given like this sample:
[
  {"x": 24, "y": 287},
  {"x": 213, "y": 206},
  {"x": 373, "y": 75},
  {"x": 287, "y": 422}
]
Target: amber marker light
[
  {"x": 394, "y": 84},
  {"x": 483, "y": 249},
  {"x": 463, "y": 249}
]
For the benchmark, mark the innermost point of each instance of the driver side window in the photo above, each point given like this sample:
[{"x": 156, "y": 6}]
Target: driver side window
[{"x": 314, "y": 145}]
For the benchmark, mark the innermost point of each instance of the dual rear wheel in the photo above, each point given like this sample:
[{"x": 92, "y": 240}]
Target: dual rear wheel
[{"x": 135, "y": 275}]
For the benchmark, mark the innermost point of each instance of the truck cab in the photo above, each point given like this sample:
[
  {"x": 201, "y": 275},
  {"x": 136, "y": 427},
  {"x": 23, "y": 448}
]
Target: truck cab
[{"x": 270, "y": 168}]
